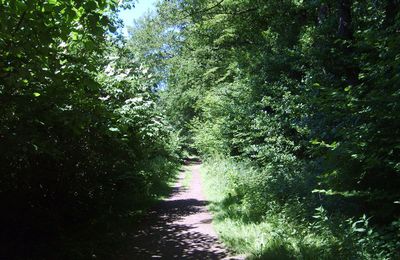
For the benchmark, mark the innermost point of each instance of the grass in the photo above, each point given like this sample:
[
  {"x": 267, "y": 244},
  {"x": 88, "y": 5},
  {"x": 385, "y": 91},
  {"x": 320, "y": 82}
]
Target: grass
[
  {"x": 187, "y": 176},
  {"x": 236, "y": 234},
  {"x": 281, "y": 233}
]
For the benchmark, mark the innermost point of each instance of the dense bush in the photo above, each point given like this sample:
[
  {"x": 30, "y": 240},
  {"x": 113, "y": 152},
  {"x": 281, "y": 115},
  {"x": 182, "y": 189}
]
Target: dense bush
[
  {"x": 82, "y": 142},
  {"x": 251, "y": 220}
]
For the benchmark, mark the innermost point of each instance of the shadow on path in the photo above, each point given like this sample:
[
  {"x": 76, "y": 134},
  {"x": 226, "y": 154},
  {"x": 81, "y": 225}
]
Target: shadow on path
[{"x": 174, "y": 229}]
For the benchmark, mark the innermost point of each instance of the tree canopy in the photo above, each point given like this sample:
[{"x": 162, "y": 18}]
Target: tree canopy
[
  {"x": 304, "y": 91},
  {"x": 299, "y": 99}
]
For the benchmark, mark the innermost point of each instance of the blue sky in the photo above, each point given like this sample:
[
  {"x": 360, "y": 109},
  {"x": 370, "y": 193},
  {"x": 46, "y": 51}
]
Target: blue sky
[{"x": 141, "y": 7}]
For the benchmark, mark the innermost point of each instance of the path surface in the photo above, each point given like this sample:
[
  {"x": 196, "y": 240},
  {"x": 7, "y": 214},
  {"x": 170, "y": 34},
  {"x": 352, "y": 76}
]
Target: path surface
[{"x": 179, "y": 227}]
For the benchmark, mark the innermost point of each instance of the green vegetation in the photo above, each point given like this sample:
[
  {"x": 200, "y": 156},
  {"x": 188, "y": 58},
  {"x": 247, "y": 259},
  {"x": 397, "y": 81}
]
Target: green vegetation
[
  {"x": 282, "y": 231},
  {"x": 187, "y": 177},
  {"x": 84, "y": 148},
  {"x": 299, "y": 100},
  {"x": 293, "y": 104}
]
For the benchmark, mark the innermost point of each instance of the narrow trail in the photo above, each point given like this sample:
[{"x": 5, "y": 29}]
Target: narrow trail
[{"x": 179, "y": 227}]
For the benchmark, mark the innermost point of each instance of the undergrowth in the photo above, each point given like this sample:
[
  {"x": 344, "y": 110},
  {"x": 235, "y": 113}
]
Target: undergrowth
[
  {"x": 290, "y": 230},
  {"x": 187, "y": 178}
]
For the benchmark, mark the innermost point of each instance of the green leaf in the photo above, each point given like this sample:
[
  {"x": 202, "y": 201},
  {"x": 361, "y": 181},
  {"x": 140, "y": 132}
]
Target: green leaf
[
  {"x": 104, "y": 21},
  {"x": 360, "y": 230},
  {"x": 112, "y": 28},
  {"x": 315, "y": 142},
  {"x": 90, "y": 5}
]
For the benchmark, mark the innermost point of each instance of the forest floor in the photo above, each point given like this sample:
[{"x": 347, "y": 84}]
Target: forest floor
[{"x": 180, "y": 226}]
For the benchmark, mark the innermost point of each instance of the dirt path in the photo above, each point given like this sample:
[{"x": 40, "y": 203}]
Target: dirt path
[{"x": 179, "y": 227}]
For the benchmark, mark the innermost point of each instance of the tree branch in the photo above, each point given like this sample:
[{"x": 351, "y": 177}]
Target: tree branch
[
  {"x": 18, "y": 26},
  {"x": 204, "y": 10}
]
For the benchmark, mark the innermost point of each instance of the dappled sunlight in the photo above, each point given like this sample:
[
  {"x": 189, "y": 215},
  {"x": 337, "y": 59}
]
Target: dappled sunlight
[
  {"x": 178, "y": 228},
  {"x": 110, "y": 108}
]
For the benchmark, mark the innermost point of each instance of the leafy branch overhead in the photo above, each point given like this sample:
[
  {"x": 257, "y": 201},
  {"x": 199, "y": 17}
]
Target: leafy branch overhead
[{"x": 292, "y": 105}]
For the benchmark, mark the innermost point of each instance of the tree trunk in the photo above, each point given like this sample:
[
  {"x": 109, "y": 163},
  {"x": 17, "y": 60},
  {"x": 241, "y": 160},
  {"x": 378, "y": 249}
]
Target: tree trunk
[{"x": 345, "y": 30}]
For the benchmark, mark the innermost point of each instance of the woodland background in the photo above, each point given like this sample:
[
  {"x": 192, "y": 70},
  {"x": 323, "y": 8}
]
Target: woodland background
[{"x": 292, "y": 104}]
